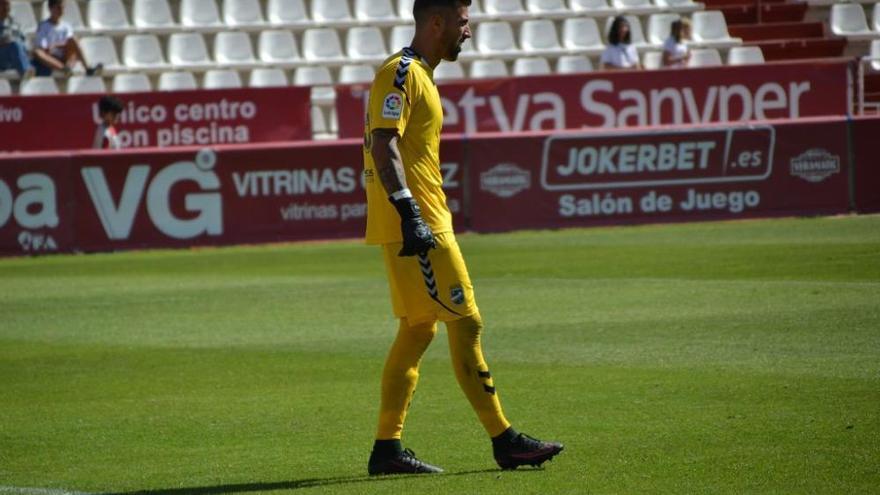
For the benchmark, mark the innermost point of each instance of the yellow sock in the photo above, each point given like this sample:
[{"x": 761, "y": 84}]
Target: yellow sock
[
  {"x": 473, "y": 373},
  {"x": 400, "y": 376}
]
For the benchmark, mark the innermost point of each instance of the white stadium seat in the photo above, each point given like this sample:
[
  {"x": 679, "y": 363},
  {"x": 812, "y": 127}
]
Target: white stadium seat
[
  {"x": 404, "y": 9},
  {"x": 486, "y": 69},
  {"x": 36, "y": 86},
  {"x": 319, "y": 79},
  {"x": 287, "y": 12},
  {"x": 188, "y": 50},
  {"x": 152, "y": 14},
  {"x": 221, "y": 79},
  {"x": 24, "y": 15},
  {"x": 635, "y": 6},
  {"x": 233, "y": 48},
  {"x": 503, "y": 7},
  {"x": 375, "y": 11},
  {"x": 659, "y": 26},
  {"x": 267, "y": 78},
  {"x": 322, "y": 45},
  {"x": 875, "y": 55},
  {"x": 100, "y": 50},
  {"x": 546, "y": 6},
  {"x": 107, "y": 15},
  {"x": 72, "y": 14},
  {"x": 710, "y": 29},
  {"x": 652, "y": 60},
  {"x": 331, "y": 11},
  {"x": 495, "y": 38},
  {"x": 177, "y": 81},
  {"x": 475, "y": 11},
  {"x": 85, "y": 84},
  {"x": 5, "y": 88},
  {"x": 351, "y": 74},
  {"x": 401, "y": 36},
  {"x": 705, "y": 57},
  {"x": 677, "y": 5},
  {"x": 573, "y": 64},
  {"x": 531, "y": 66},
  {"x": 875, "y": 17},
  {"x": 319, "y": 123},
  {"x": 597, "y": 8},
  {"x": 448, "y": 70},
  {"x": 848, "y": 19},
  {"x": 365, "y": 43},
  {"x": 743, "y": 55},
  {"x": 278, "y": 47},
  {"x": 539, "y": 37},
  {"x": 199, "y": 13},
  {"x": 131, "y": 83},
  {"x": 581, "y": 35},
  {"x": 142, "y": 51},
  {"x": 242, "y": 13}
]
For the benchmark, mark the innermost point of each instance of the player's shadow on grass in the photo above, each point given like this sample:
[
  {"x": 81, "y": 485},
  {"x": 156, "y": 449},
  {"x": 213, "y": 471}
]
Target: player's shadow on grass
[{"x": 292, "y": 484}]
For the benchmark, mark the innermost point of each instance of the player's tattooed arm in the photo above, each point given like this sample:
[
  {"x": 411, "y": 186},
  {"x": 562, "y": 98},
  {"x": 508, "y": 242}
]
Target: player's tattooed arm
[{"x": 386, "y": 156}]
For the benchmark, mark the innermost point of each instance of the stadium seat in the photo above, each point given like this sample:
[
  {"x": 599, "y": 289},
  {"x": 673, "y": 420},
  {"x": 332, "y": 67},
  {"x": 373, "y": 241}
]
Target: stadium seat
[
  {"x": 233, "y": 48},
  {"x": 581, "y": 35},
  {"x": 85, "y": 84},
  {"x": 177, "y": 81},
  {"x": 320, "y": 80},
  {"x": 448, "y": 70},
  {"x": 475, "y": 11},
  {"x": 365, "y": 44},
  {"x": 404, "y": 9},
  {"x": 351, "y": 74},
  {"x": 710, "y": 29},
  {"x": 531, "y": 66},
  {"x": 598, "y": 8},
  {"x": 287, "y": 12},
  {"x": 495, "y": 38},
  {"x": 401, "y": 36},
  {"x": 546, "y": 6},
  {"x": 100, "y": 50},
  {"x": 573, "y": 64},
  {"x": 199, "y": 13},
  {"x": 705, "y": 57},
  {"x": 188, "y": 50},
  {"x": 467, "y": 49},
  {"x": 849, "y": 20},
  {"x": 319, "y": 123},
  {"x": 267, "y": 78},
  {"x": 36, "y": 86},
  {"x": 539, "y": 37},
  {"x": 72, "y": 15},
  {"x": 875, "y": 17},
  {"x": 221, "y": 79},
  {"x": 240, "y": 13},
  {"x": 635, "y": 6},
  {"x": 5, "y": 87},
  {"x": 142, "y": 51},
  {"x": 659, "y": 27},
  {"x": 332, "y": 122},
  {"x": 322, "y": 44},
  {"x": 504, "y": 8},
  {"x": 131, "y": 83},
  {"x": 652, "y": 60},
  {"x": 24, "y": 15},
  {"x": 278, "y": 46},
  {"x": 875, "y": 55},
  {"x": 678, "y": 5},
  {"x": 486, "y": 69},
  {"x": 637, "y": 36},
  {"x": 152, "y": 14},
  {"x": 331, "y": 11},
  {"x": 107, "y": 15},
  {"x": 742, "y": 55},
  {"x": 375, "y": 12}
]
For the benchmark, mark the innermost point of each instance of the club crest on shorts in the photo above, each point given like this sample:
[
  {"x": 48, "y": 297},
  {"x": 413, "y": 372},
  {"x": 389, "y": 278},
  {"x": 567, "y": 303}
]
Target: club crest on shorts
[
  {"x": 456, "y": 294},
  {"x": 392, "y": 106}
]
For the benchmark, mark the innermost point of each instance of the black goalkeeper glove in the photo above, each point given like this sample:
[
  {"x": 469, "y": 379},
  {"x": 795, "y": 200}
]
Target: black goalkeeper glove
[{"x": 417, "y": 236}]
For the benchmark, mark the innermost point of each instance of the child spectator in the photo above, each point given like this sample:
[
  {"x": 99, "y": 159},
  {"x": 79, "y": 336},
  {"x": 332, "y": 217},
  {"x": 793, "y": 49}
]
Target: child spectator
[
  {"x": 620, "y": 54},
  {"x": 55, "y": 48},
  {"x": 675, "y": 51},
  {"x": 106, "y": 137}
]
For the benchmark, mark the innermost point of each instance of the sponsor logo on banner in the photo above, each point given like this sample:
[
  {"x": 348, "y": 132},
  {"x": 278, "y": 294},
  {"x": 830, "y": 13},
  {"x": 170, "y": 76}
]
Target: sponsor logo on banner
[
  {"x": 204, "y": 209},
  {"x": 35, "y": 206},
  {"x": 815, "y": 165},
  {"x": 505, "y": 180}
]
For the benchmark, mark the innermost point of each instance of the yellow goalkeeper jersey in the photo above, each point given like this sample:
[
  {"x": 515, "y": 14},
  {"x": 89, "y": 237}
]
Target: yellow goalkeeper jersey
[{"x": 404, "y": 97}]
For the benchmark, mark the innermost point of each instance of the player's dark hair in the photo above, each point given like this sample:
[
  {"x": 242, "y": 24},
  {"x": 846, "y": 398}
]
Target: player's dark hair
[
  {"x": 614, "y": 32},
  {"x": 109, "y": 104},
  {"x": 422, "y": 7},
  {"x": 54, "y": 3}
]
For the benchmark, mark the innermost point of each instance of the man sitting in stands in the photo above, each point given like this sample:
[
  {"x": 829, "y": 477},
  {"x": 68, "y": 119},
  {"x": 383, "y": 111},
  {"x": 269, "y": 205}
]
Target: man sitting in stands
[{"x": 13, "y": 48}]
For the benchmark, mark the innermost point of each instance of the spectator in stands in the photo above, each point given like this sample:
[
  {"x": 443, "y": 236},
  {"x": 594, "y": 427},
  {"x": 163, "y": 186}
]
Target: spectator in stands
[
  {"x": 55, "y": 48},
  {"x": 106, "y": 137},
  {"x": 620, "y": 54},
  {"x": 675, "y": 51},
  {"x": 13, "y": 47}
]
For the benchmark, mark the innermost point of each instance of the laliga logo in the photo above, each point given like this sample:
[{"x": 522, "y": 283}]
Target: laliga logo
[{"x": 118, "y": 219}]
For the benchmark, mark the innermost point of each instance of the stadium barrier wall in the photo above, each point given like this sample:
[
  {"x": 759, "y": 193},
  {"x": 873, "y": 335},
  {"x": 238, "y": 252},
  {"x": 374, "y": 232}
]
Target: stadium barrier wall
[
  {"x": 105, "y": 200},
  {"x": 631, "y": 98},
  {"x": 158, "y": 119}
]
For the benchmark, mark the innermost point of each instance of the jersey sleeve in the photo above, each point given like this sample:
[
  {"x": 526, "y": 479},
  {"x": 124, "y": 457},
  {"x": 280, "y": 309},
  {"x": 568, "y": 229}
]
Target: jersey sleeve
[{"x": 391, "y": 97}]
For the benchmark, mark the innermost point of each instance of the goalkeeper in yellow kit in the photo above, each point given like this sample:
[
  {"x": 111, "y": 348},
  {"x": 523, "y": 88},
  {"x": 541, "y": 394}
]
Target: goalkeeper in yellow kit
[{"x": 407, "y": 215}]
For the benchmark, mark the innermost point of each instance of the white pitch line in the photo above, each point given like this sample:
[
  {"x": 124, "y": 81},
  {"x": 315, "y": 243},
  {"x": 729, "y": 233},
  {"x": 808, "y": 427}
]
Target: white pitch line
[{"x": 23, "y": 490}]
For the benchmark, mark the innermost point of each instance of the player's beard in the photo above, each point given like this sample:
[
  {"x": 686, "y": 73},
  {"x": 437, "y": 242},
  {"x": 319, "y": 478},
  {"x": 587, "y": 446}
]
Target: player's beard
[{"x": 454, "y": 50}]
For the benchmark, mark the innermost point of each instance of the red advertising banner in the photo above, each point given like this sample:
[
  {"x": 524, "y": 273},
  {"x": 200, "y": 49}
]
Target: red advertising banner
[
  {"x": 158, "y": 119},
  {"x": 607, "y": 177},
  {"x": 630, "y": 98},
  {"x": 866, "y": 160}
]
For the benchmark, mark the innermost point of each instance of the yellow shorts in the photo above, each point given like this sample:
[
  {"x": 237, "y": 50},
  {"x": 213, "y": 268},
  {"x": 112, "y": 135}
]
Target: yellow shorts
[{"x": 432, "y": 287}]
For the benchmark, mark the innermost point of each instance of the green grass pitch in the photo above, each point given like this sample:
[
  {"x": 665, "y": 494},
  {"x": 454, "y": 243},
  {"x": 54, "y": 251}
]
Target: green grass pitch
[{"x": 737, "y": 357}]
